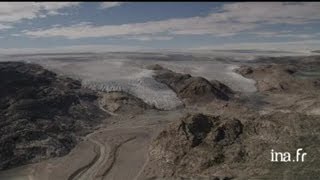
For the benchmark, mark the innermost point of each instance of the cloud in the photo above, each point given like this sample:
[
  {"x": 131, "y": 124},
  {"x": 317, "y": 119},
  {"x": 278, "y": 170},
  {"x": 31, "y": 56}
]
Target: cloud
[
  {"x": 107, "y": 5},
  {"x": 295, "y": 46},
  {"x": 232, "y": 19},
  {"x": 3, "y": 26},
  {"x": 150, "y": 38},
  {"x": 182, "y": 26},
  {"x": 15, "y": 11},
  {"x": 16, "y": 35},
  {"x": 271, "y": 12},
  {"x": 69, "y": 49},
  {"x": 284, "y": 34}
]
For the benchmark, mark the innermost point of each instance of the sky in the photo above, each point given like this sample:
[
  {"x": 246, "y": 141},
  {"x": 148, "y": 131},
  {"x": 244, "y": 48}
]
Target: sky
[{"x": 132, "y": 26}]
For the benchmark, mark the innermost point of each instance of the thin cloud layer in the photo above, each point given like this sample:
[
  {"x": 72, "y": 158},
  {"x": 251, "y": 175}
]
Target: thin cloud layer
[
  {"x": 40, "y": 24},
  {"x": 296, "y": 46},
  {"x": 75, "y": 48},
  {"x": 2, "y": 26},
  {"x": 183, "y": 26},
  {"x": 150, "y": 38},
  {"x": 107, "y": 5},
  {"x": 231, "y": 19},
  {"x": 271, "y": 12},
  {"x": 15, "y": 11}
]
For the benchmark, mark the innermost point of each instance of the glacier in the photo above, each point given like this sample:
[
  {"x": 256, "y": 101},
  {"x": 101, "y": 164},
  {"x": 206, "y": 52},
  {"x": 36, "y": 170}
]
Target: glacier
[{"x": 120, "y": 71}]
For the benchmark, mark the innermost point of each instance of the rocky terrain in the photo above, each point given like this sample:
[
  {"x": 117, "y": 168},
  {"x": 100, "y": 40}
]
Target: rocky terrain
[
  {"x": 233, "y": 140},
  {"x": 121, "y": 102},
  {"x": 42, "y": 115},
  {"x": 276, "y": 77},
  {"x": 287, "y": 87},
  {"x": 200, "y": 145},
  {"x": 218, "y": 134},
  {"x": 192, "y": 89}
]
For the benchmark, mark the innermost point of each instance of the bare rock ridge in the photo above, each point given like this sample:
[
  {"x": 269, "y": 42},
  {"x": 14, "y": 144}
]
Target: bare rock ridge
[
  {"x": 277, "y": 78},
  {"x": 121, "y": 102},
  {"x": 42, "y": 115},
  {"x": 200, "y": 141},
  {"x": 200, "y": 145},
  {"x": 287, "y": 86},
  {"x": 191, "y": 89}
]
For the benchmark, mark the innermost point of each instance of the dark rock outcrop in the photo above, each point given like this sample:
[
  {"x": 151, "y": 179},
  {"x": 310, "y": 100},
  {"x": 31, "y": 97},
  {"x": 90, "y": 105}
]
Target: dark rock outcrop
[
  {"x": 199, "y": 145},
  {"x": 197, "y": 142},
  {"x": 192, "y": 89},
  {"x": 120, "y": 102},
  {"x": 42, "y": 115}
]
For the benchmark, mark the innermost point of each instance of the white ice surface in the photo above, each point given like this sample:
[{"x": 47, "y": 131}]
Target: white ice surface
[{"x": 127, "y": 72}]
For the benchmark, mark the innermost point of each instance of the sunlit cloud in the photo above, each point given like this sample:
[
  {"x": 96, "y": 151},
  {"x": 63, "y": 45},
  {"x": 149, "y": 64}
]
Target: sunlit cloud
[
  {"x": 15, "y": 11},
  {"x": 107, "y": 5},
  {"x": 233, "y": 18}
]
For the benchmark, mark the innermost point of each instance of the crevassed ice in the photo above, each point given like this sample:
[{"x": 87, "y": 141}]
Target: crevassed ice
[
  {"x": 121, "y": 72},
  {"x": 145, "y": 88},
  {"x": 116, "y": 75}
]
